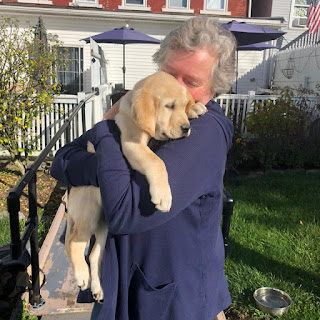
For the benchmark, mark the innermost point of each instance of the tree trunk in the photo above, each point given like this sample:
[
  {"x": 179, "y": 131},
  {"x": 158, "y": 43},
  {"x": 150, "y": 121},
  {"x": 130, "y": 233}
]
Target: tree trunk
[{"x": 20, "y": 166}]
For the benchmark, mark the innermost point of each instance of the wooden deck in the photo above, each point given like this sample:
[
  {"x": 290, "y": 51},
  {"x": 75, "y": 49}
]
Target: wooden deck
[{"x": 60, "y": 291}]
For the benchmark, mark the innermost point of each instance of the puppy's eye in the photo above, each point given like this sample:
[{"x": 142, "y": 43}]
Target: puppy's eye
[{"x": 170, "y": 106}]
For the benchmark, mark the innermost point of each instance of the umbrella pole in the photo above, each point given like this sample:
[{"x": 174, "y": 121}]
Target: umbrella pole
[
  {"x": 237, "y": 71},
  {"x": 124, "y": 66}
]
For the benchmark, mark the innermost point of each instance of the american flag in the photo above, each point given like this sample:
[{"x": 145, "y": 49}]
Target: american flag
[{"x": 313, "y": 22}]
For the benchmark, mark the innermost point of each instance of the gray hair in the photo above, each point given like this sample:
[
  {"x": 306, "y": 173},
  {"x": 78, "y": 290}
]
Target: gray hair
[{"x": 204, "y": 32}]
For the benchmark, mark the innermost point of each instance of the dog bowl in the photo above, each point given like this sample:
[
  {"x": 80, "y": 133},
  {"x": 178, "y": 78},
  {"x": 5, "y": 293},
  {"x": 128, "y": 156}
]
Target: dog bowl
[{"x": 273, "y": 301}]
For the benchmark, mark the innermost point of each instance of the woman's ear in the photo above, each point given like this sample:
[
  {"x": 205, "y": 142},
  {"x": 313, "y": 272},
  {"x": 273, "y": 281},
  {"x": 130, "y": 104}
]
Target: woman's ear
[{"x": 144, "y": 110}]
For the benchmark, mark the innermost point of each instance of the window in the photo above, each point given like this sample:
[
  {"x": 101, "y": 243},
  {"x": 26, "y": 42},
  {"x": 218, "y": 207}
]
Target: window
[
  {"x": 181, "y": 6},
  {"x": 215, "y": 4},
  {"x": 135, "y": 2},
  {"x": 71, "y": 79},
  {"x": 134, "y": 5},
  {"x": 215, "y": 7},
  {"x": 300, "y": 13},
  {"x": 178, "y": 4},
  {"x": 85, "y": 3}
]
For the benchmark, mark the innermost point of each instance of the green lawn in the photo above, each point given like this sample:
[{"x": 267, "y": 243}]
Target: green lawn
[{"x": 275, "y": 242}]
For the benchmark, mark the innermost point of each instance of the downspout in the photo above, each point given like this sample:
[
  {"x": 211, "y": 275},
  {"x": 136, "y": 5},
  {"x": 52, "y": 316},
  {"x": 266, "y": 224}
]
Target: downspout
[{"x": 249, "y": 8}]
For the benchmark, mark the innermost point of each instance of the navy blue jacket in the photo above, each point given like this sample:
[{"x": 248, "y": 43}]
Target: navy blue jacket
[{"x": 159, "y": 266}]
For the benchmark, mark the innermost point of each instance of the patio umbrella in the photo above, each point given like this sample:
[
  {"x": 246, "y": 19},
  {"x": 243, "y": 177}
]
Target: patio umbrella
[
  {"x": 123, "y": 35},
  {"x": 251, "y": 47},
  {"x": 246, "y": 33}
]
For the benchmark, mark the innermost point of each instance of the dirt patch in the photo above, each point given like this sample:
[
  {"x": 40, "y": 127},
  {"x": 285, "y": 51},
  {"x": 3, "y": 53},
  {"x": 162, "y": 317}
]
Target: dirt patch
[{"x": 49, "y": 192}]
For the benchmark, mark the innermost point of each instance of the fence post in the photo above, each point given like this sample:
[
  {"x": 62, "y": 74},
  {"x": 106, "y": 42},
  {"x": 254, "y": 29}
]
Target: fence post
[
  {"x": 251, "y": 98},
  {"x": 81, "y": 96}
]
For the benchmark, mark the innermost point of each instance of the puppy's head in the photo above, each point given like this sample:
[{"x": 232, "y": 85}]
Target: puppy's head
[{"x": 160, "y": 105}]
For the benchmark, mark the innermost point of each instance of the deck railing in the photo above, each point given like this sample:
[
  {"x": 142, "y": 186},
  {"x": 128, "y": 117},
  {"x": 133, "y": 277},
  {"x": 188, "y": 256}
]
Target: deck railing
[
  {"x": 18, "y": 245},
  {"x": 235, "y": 106}
]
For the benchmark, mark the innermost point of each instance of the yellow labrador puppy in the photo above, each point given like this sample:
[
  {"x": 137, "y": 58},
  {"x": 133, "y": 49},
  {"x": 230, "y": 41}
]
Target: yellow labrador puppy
[{"x": 158, "y": 107}]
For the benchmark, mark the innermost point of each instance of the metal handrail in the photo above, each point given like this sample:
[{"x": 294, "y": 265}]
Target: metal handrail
[{"x": 18, "y": 245}]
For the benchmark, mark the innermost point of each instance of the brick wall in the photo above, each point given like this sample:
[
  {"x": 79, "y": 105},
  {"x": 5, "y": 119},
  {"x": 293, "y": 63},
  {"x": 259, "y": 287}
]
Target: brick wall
[{"x": 238, "y": 8}]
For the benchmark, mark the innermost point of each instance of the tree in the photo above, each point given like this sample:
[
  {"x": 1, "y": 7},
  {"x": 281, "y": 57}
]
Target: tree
[{"x": 29, "y": 60}]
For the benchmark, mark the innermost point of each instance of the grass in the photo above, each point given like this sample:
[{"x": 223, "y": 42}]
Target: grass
[
  {"x": 5, "y": 228},
  {"x": 275, "y": 242}
]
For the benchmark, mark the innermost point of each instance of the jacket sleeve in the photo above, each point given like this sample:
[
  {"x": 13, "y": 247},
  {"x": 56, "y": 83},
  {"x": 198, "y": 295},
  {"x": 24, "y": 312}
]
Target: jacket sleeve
[
  {"x": 195, "y": 168},
  {"x": 74, "y": 166}
]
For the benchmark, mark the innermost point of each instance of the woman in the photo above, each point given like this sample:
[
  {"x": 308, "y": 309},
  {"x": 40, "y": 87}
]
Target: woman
[{"x": 165, "y": 265}]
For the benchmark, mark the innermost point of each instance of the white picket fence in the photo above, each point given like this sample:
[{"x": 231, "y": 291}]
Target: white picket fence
[
  {"x": 235, "y": 106},
  {"x": 45, "y": 126}
]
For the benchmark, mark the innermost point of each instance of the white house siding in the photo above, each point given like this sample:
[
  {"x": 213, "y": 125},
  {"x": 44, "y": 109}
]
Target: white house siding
[
  {"x": 71, "y": 30},
  {"x": 284, "y": 8},
  {"x": 72, "y": 25},
  {"x": 253, "y": 70},
  {"x": 281, "y": 8},
  {"x": 305, "y": 66}
]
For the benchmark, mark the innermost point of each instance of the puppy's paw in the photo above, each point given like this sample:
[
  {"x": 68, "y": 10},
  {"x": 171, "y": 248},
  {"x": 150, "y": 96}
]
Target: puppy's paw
[
  {"x": 82, "y": 277},
  {"x": 161, "y": 196},
  {"x": 198, "y": 109},
  {"x": 97, "y": 291}
]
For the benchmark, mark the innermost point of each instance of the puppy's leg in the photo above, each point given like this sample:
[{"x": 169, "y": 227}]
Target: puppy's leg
[
  {"x": 142, "y": 159},
  {"x": 95, "y": 261},
  {"x": 78, "y": 242},
  {"x": 70, "y": 224}
]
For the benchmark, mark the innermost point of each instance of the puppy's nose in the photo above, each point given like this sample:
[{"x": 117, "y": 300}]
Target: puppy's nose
[{"x": 185, "y": 128}]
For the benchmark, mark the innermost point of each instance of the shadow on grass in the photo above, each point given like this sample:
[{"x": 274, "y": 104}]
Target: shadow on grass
[
  {"x": 280, "y": 200},
  {"x": 301, "y": 278}
]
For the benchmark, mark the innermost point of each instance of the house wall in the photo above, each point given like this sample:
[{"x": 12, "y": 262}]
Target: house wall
[
  {"x": 305, "y": 66},
  {"x": 72, "y": 24},
  {"x": 238, "y": 8},
  {"x": 298, "y": 44}
]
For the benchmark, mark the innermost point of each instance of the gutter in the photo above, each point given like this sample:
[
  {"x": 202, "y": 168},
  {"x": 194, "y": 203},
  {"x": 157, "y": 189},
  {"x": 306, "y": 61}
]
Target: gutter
[{"x": 98, "y": 14}]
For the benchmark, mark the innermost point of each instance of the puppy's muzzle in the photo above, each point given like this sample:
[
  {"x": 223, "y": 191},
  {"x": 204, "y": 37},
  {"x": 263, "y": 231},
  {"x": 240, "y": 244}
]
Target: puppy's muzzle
[{"x": 185, "y": 128}]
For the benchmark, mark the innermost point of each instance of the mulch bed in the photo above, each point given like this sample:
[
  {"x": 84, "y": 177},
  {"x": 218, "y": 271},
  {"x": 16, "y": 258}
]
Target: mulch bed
[{"x": 49, "y": 192}]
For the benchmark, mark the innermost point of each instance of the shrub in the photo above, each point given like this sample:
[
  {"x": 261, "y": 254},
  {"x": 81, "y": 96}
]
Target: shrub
[{"x": 278, "y": 136}]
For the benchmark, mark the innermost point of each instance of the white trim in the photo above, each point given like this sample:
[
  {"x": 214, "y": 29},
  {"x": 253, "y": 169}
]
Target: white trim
[
  {"x": 116, "y": 15},
  {"x": 35, "y": 1},
  {"x": 291, "y": 16},
  {"x": 84, "y": 3},
  {"x": 216, "y": 12},
  {"x": 177, "y": 10},
  {"x": 133, "y": 7}
]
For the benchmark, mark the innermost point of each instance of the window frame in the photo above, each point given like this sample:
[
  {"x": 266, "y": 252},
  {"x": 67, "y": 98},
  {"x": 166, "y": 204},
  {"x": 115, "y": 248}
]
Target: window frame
[
  {"x": 85, "y": 3},
  {"x": 223, "y": 11},
  {"x": 138, "y": 7},
  {"x": 178, "y": 9},
  {"x": 293, "y": 17},
  {"x": 35, "y": 1},
  {"x": 80, "y": 73}
]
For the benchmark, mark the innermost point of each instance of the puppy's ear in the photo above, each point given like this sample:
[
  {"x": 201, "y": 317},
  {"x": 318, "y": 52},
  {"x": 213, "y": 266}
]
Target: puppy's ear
[
  {"x": 190, "y": 103},
  {"x": 144, "y": 110}
]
